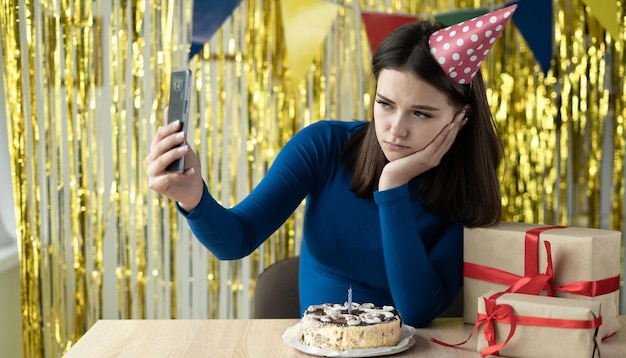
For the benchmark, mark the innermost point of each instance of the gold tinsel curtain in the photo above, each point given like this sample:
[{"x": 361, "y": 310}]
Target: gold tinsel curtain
[{"x": 86, "y": 83}]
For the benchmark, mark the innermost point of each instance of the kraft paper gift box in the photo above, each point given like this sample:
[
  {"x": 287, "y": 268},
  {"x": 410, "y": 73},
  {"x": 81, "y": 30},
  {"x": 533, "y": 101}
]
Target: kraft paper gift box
[
  {"x": 544, "y": 326},
  {"x": 584, "y": 259}
]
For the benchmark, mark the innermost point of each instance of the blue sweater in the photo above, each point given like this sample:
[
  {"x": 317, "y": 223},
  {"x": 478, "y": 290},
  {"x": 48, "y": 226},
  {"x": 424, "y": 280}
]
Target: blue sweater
[{"x": 389, "y": 249}]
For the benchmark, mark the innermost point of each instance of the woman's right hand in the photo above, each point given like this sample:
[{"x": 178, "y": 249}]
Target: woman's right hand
[{"x": 187, "y": 187}]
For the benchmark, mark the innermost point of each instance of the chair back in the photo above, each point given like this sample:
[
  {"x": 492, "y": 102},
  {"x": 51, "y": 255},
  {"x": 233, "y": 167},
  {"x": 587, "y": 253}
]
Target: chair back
[{"x": 276, "y": 294}]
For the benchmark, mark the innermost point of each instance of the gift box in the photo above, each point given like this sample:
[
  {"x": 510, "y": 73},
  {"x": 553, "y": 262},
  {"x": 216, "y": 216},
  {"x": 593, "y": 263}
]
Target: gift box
[
  {"x": 585, "y": 264},
  {"x": 521, "y": 325}
]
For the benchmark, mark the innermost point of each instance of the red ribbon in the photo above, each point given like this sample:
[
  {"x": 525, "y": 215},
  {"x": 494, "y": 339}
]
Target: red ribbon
[
  {"x": 504, "y": 313},
  {"x": 531, "y": 269},
  {"x": 591, "y": 288},
  {"x": 583, "y": 288},
  {"x": 531, "y": 249}
]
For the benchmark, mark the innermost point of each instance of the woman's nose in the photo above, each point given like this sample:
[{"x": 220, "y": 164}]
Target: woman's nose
[{"x": 399, "y": 126}]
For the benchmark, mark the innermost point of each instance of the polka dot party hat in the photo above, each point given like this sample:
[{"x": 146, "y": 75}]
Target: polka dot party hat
[{"x": 460, "y": 49}]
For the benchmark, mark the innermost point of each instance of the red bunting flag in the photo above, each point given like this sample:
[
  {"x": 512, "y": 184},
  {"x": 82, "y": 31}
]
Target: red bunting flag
[{"x": 379, "y": 25}]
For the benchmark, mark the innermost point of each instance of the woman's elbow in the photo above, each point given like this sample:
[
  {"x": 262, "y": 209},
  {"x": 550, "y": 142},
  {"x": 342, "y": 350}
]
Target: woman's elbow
[
  {"x": 222, "y": 252},
  {"x": 418, "y": 320}
]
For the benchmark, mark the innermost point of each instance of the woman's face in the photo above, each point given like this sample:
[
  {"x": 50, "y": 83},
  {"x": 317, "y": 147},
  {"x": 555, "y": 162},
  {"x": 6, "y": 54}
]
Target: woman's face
[{"x": 408, "y": 113}]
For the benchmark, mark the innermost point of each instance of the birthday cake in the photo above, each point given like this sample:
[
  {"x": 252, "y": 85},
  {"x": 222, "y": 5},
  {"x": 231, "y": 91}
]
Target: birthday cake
[{"x": 336, "y": 327}]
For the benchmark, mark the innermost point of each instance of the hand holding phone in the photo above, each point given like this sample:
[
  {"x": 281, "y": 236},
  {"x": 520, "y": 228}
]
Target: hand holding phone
[{"x": 178, "y": 108}]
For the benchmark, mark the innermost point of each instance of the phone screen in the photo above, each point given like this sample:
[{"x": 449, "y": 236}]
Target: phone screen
[{"x": 178, "y": 108}]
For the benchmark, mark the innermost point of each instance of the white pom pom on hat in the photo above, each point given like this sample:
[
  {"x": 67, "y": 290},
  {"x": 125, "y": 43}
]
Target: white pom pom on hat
[{"x": 461, "y": 48}]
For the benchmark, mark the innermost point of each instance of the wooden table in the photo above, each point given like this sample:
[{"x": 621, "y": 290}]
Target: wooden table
[{"x": 258, "y": 338}]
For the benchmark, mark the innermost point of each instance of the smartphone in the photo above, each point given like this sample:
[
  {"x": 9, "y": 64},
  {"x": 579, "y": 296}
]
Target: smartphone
[{"x": 178, "y": 108}]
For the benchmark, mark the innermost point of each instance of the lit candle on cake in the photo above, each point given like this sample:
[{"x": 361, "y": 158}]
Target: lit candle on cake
[{"x": 350, "y": 299}]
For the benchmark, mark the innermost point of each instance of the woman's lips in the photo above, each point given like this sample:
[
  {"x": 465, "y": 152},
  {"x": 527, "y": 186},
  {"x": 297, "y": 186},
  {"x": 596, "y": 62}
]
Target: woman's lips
[{"x": 394, "y": 147}]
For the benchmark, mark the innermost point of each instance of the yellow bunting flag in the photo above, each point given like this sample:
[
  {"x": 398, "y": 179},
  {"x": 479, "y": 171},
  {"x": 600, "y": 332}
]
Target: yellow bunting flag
[
  {"x": 305, "y": 24},
  {"x": 605, "y": 11}
]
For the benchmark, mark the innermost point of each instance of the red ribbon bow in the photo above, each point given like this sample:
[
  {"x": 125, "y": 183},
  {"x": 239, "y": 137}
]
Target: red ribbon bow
[{"x": 500, "y": 313}]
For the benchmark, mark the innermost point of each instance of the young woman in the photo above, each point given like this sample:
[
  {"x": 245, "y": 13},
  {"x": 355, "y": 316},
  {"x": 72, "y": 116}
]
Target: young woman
[{"x": 386, "y": 200}]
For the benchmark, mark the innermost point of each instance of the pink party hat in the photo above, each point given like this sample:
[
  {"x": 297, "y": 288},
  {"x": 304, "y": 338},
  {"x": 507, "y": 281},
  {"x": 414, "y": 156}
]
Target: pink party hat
[{"x": 460, "y": 49}]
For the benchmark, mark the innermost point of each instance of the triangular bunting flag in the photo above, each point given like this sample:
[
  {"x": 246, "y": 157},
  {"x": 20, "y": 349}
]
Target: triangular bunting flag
[
  {"x": 208, "y": 17},
  {"x": 606, "y": 13},
  {"x": 306, "y": 24},
  {"x": 534, "y": 20},
  {"x": 378, "y": 25},
  {"x": 456, "y": 16}
]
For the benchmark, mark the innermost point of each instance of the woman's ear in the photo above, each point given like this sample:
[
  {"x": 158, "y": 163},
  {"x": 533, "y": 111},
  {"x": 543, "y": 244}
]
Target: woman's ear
[{"x": 468, "y": 110}]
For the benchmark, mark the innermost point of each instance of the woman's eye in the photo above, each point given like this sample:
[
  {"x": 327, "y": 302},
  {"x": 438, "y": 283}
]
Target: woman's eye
[
  {"x": 382, "y": 103},
  {"x": 420, "y": 114}
]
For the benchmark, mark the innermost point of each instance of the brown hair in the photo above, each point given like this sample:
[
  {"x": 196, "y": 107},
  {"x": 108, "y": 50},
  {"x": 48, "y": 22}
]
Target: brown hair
[{"x": 464, "y": 187}]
